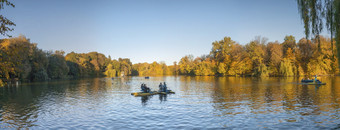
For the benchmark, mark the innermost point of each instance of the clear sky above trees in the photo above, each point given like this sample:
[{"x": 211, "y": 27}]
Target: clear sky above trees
[{"x": 147, "y": 31}]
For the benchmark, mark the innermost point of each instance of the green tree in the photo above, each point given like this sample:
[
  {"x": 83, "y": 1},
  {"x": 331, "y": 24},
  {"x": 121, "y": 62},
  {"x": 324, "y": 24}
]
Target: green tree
[
  {"x": 39, "y": 63},
  {"x": 73, "y": 64},
  {"x": 57, "y": 67},
  {"x": 22, "y": 60},
  {"x": 116, "y": 65}
]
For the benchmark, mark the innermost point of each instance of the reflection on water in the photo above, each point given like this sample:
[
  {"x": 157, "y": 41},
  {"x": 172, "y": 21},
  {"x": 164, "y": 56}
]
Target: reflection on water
[
  {"x": 145, "y": 99},
  {"x": 200, "y": 102},
  {"x": 162, "y": 97}
]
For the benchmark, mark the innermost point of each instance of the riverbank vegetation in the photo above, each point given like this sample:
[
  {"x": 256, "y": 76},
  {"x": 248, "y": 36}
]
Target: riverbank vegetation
[
  {"x": 262, "y": 58},
  {"x": 24, "y": 61}
]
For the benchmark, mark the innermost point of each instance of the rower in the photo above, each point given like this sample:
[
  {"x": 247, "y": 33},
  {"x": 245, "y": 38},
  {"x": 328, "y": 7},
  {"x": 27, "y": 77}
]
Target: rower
[
  {"x": 315, "y": 78},
  {"x": 143, "y": 88},
  {"x": 147, "y": 89},
  {"x": 164, "y": 87},
  {"x": 160, "y": 87}
]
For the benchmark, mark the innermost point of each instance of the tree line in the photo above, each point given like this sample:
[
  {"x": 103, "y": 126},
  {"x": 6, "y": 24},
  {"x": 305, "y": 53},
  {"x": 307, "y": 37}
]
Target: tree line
[
  {"x": 24, "y": 61},
  {"x": 262, "y": 58}
]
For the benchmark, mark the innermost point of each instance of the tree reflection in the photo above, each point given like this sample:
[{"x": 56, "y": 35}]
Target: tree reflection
[
  {"x": 18, "y": 115},
  {"x": 234, "y": 96}
]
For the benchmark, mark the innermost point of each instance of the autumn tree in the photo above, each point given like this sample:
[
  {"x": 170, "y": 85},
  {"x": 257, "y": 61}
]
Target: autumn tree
[
  {"x": 241, "y": 63},
  {"x": 111, "y": 71},
  {"x": 203, "y": 66},
  {"x": 125, "y": 66},
  {"x": 274, "y": 57},
  {"x": 321, "y": 62},
  {"x": 256, "y": 52},
  {"x": 175, "y": 68},
  {"x": 221, "y": 52},
  {"x": 289, "y": 42},
  {"x": 186, "y": 65},
  {"x": 305, "y": 53},
  {"x": 15, "y": 63}
]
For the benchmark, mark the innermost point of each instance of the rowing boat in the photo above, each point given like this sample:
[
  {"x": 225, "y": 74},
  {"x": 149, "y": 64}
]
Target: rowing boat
[
  {"x": 168, "y": 92},
  {"x": 144, "y": 94},
  {"x": 313, "y": 83},
  {"x": 137, "y": 94}
]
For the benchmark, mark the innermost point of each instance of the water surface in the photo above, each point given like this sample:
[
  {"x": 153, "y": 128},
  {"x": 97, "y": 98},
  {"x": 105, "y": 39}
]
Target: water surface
[{"x": 199, "y": 103}]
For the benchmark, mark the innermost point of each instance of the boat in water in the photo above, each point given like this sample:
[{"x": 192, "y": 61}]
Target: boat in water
[
  {"x": 312, "y": 81},
  {"x": 137, "y": 94},
  {"x": 146, "y": 91},
  {"x": 307, "y": 80},
  {"x": 144, "y": 94}
]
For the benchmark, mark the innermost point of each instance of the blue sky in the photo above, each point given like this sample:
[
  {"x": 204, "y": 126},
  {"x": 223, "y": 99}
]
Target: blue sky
[{"x": 151, "y": 30}]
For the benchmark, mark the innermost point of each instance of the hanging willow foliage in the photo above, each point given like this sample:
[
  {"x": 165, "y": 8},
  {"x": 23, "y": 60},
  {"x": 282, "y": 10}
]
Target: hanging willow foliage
[
  {"x": 5, "y": 24},
  {"x": 314, "y": 12}
]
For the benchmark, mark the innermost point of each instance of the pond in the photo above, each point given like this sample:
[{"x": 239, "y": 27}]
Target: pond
[{"x": 201, "y": 102}]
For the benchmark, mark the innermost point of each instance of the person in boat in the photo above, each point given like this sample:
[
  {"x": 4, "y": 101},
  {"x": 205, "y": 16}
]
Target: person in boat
[
  {"x": 143, "y": 88},
  {"x": 147, "y": 88},
  {"x": 164, "y": 87},
  {"x": 316, "y": 79},
  {"x": 160, "y": 87}
]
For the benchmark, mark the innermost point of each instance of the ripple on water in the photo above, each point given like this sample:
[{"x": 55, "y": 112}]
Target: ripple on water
[{"x": 199, "y": 103}]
